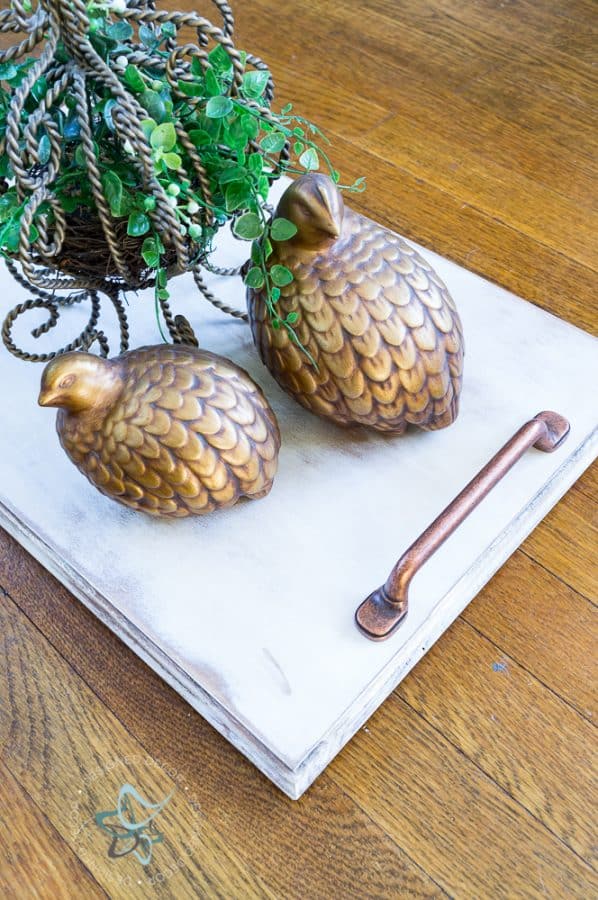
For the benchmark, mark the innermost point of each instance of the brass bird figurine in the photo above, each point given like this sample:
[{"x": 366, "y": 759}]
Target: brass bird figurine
[
  {"x": 170, "y": 430},
  {"x": 378, "y": 322}
]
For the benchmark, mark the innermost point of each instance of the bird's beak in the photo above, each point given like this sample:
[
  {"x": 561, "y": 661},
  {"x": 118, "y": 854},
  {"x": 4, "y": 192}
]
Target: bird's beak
[
  {"x": 332, "y": 227},
  {"x": 47, "y": 398}
]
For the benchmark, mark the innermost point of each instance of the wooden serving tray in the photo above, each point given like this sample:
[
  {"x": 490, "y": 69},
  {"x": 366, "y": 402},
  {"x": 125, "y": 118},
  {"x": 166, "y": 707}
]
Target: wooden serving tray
[{"x": 248, "y": 613}]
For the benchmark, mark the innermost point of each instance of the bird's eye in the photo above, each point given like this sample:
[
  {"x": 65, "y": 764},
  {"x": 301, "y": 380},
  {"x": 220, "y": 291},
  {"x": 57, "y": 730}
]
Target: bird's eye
[{"x": 67, "y": 381}]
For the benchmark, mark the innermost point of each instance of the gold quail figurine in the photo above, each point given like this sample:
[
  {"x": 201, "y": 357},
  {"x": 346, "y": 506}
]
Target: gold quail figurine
[
  {"x": 377, "y": 320},
  {"x": 170, "y": 430}
]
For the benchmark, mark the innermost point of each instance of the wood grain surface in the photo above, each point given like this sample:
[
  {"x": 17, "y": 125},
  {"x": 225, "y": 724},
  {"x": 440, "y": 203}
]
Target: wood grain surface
[{"x": 475, "y": 124}]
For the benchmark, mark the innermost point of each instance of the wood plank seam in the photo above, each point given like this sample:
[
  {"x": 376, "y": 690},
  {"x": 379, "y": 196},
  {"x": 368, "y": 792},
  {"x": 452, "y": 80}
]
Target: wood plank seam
[
  {"x": 375, "y": 824},
  {"x": 558, "y": 577},
  {"x": 508, "y": 656},
  {"x": 338, "y": 779},
  {"x": 385, "y": 220},
  {"x": 405, "y": 72},
  {"x": 479, "y": 209},
  {"x": 564, "y": 62},
  {"x": 483, "y": 772},
  {"x": 57, "y": 836},
  {"x": 585, "y": 492}
]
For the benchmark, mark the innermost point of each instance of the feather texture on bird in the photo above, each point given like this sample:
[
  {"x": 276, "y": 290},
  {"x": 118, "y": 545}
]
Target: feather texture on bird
[
  {"x": 379, "y": 323},
  {"x": 170, "y": 430}
]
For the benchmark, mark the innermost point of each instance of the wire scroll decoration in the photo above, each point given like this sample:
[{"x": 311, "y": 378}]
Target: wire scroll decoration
[{"x": 66, "y": 263}]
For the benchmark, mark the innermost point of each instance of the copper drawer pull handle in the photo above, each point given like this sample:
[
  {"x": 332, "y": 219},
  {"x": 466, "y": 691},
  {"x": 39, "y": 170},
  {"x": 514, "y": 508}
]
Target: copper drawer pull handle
[{"x": 384, "y": 610}]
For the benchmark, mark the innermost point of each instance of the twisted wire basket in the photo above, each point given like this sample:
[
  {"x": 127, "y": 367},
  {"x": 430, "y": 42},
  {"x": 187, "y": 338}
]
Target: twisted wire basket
[{"x": 74, "y": 257}]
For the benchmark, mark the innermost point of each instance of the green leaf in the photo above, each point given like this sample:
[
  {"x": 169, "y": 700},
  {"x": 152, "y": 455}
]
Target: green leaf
[
  {"x": 127, "y": 203},
  {"x": 148, "y": 126},
  {"x": 280, "y": 275},
  {"x": 199, "y": 137},
  {"x": 218, "y": 107},
  {"x": 153, "y": 103},
  {"x": 254, "y": 83},
  {"x": 119, "y": 31},
  {"x": 192, "y": 88},
  {"x": 149, "y": 252},
  {"x": 236, "y": 135},
  {"x": 168, "y": 29},
  {"x": 8, "y": 202},
  {"x": 39, "y": 88},
  {"x": 213, "y": 86},
  {"x": 234, "y": 173},
  {"x": 292, "y": 318},
  {"x": 172, "y": 160},
  {"x": 44, "y": 149},
  {"x": 256, "y": 253},
  {"x": 70, "y": 204},
  {"x": 132, "y": 77},
  {"x": 197, "y": 67},
  {"x": 273, "y": 142},
  {"x": 220, "y": 60},
  {"x": 250, "y": 126},
  {"x": 281, "y": 229},
  {"x": 309, "y": 159},
  {"x": 10, "y": 236},
  {"x": 147, "y": 36},
  {"x": 113, "y": 191},
  {"x": 7, "y": 71},
  {"x": 213, "y": 127},
  {"x": 275, "y": 294},
  {"x": 108, "y": 107},
  {"x": 248, "y": 226},
  {"x": 255, "y": 163},
  {"x": 236, "y": 196},
  {"x": 263, "y": 186},
  {"x": 138, "y": 224},
  {"x": 163, "y": 137},
  {"x": 5, "y": 168},
  {"x": 255, "y": 278},
  {"x": 72, "y": 127}
]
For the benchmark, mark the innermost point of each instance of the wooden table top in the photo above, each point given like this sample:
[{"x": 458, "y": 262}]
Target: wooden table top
[{"x": 475, "y": 126}]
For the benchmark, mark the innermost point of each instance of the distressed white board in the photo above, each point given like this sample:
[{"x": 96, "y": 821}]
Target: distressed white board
[{"x": 248, "y": 613}]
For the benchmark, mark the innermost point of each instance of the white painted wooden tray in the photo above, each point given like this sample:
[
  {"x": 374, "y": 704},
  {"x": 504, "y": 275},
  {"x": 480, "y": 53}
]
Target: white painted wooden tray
[{"x": 248, "y": 613}]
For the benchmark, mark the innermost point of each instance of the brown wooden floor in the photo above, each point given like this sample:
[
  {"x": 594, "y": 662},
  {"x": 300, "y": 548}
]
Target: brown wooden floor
[{"x": 475, "y": 123}]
